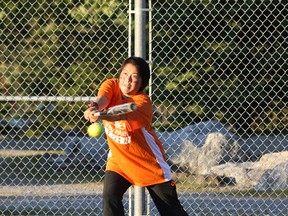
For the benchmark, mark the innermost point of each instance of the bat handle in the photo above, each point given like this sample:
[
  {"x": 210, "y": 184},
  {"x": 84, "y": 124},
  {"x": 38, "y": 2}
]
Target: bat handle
[
  {"x": 133, "y": 106},
  {"x": 97, "y": 114}
]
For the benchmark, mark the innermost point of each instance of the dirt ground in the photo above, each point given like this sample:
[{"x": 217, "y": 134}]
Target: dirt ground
[{"x": 47, "y": 190}]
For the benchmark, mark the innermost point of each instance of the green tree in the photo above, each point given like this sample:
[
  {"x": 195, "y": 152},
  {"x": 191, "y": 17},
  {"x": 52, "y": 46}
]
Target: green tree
[
  {"x": 61, "y": 47},
  {"x": 222, "y": 60}
]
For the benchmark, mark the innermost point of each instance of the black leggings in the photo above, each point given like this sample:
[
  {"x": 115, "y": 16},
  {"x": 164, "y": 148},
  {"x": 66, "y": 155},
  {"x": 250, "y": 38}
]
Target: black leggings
[{"x": 164, "y": 196}]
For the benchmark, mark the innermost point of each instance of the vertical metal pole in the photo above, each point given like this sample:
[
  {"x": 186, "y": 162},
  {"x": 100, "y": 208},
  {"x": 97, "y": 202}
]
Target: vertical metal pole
[
  {"x": 140, "y": 45},
  {"x": 140, "y": 35},
  {"x": 129, "y": 54}
]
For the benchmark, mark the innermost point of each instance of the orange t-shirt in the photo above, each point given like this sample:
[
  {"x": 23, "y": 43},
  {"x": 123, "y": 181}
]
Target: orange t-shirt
[{"x": 135, "y": 150}]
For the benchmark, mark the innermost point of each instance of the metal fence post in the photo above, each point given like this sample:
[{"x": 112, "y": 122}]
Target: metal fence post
[{"x": 140, "y": 43}]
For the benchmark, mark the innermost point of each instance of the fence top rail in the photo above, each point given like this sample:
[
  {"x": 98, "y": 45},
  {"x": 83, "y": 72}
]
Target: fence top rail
[{"x": 46, "y": 98}]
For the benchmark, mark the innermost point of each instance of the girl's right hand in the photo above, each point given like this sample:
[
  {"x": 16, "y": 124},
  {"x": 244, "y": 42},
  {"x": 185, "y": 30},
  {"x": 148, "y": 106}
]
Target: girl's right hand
[{"x": 89, "y": 114}]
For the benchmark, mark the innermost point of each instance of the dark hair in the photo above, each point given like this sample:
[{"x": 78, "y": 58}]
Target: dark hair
[{"x": 142, "y": 68}]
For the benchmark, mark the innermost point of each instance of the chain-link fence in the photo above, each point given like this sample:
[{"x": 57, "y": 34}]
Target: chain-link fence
[{"x": 219, "y": 91}]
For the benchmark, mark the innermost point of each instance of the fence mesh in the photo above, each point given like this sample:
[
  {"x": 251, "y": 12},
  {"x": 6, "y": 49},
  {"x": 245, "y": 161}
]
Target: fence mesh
[{"x": 219, "y": 91}]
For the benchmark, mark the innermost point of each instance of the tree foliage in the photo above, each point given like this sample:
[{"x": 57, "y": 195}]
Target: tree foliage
[
  {"x": 226, "y": 61},
  {"x": 216, "y": 59}
]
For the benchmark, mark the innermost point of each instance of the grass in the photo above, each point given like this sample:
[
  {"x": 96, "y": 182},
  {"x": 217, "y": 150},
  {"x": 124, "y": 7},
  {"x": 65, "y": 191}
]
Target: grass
[
  {"x": 4, "y": 153},
  {"x": 200, "y": 184},
  {"x": 213, "y": 187}
]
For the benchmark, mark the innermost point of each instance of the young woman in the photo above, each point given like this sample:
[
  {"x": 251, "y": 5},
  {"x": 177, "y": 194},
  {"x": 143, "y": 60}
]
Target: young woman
[{"x": 136, "y": 155}]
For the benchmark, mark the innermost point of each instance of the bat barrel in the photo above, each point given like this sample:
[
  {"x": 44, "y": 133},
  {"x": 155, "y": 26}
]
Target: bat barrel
[{"x": 118, "y": 110}]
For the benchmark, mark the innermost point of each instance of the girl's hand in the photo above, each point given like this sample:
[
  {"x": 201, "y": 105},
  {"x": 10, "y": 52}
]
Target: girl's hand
[
  {"x": 97, "y": 105},
  {"x": 89, "y": 114}
]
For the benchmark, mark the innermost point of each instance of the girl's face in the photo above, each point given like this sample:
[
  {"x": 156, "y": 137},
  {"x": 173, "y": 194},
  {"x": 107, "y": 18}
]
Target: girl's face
[{"x": 129, "y": 80}]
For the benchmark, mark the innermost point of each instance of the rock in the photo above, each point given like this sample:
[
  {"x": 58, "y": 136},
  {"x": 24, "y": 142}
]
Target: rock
[
  {"x": 275, "y": 179},
  {"x": 249, "y": 174},
  {"x": 217, "y": 149},
  {"x": 273, "y": 159},
  {"x": 240, "y": 173}
]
